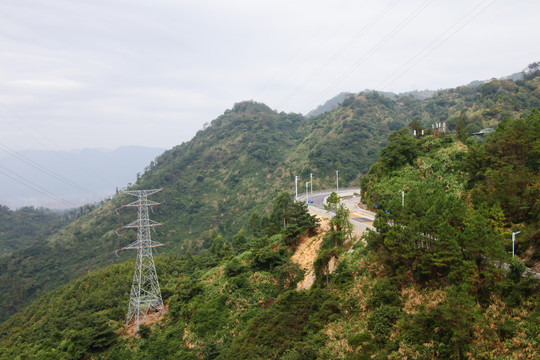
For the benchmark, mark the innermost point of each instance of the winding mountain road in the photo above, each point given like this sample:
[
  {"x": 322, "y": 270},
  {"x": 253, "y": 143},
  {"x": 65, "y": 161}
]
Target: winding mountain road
[{"x": 360, "y": 218}]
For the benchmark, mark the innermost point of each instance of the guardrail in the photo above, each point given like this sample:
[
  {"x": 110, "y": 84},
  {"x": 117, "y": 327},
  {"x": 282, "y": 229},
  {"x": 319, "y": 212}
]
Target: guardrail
[{"x": 302, "y": 197}]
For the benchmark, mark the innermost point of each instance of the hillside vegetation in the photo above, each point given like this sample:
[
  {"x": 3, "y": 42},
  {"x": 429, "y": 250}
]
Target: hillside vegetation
[
  {"x": 209, "y": 297},
  {"x": 24, "y": 227},
  {"x": 428, "y": 285},
  {"x": 30, "y": 226},
  {"x": 496, "y": 180},
  {"x": 235, "y": 166},
  {"x": 238, "y": 164}
]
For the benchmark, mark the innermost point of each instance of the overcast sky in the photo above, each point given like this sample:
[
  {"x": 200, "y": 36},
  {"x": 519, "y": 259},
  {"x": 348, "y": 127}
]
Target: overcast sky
[{"x": 107, "y": 73}]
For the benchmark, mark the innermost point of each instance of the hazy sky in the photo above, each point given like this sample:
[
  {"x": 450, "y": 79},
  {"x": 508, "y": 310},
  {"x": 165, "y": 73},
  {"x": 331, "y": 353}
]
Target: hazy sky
[{"x": 107, "y": 73}]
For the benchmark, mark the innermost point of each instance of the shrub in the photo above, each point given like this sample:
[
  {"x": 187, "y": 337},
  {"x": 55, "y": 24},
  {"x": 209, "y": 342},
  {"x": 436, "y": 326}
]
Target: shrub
[
  {"x": 144, "y": 331},
  {"x": 267, "y": 259},
  {"x": 381, "y": 321},
  {"x": 384, "y": 292},
  {"x": 507, "y": 329},
  {"x": 517, "y": 268},
  {"x": 234, "y": 268}
]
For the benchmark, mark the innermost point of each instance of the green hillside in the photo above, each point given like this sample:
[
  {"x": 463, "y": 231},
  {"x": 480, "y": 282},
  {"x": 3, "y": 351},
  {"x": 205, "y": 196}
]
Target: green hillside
[
  {"x": 238, "y": 164},
  {"x": 210, "y": 296},
  {"x": 497, "y": 179},
  {"x": 235, "y": 166},
  {"x": 427, "y": 285},
  {"x": 26, "y": 226}
]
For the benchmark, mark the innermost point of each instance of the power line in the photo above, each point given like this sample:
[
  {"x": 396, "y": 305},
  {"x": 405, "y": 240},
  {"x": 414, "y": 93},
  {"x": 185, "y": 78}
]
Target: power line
[
  {"x": 332, "y": 58},
  {"x": 380, "y": 44},
  {"x": 46, "y": 171},
  {"x": 54, "y": 148},
  {"x": 315, "y": 38},
  {"x": 31, "y": 185},
  {"x": 398, "y": 73}
]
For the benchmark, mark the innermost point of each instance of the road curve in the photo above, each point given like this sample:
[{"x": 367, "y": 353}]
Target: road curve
[{"x": 350, "y": 197}]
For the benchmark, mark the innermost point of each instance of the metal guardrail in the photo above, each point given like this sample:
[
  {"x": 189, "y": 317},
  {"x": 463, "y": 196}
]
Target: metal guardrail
[{"x": 302, "y": 197}]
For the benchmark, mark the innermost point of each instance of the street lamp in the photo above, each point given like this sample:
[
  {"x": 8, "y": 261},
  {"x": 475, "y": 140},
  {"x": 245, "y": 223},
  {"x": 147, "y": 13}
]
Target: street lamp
[
  {"x": 514, "y": 241},
  {"x": 337, "y": 181},
  {"x": 307, "y": 194},
  {"x": 311, "y": 182},
  {"x": 296, "y": 187}
]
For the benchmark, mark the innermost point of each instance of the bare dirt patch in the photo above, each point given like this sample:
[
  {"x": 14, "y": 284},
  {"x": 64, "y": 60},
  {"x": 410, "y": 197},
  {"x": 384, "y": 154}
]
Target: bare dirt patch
[
  {"x": 306, "y": 253},
  {"x": 150, "y": 319},
  {"x": 304, "y": 256}
]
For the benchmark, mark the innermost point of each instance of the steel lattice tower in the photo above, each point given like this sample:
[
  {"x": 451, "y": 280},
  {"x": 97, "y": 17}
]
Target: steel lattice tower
[{"x": 145, "y": 292}]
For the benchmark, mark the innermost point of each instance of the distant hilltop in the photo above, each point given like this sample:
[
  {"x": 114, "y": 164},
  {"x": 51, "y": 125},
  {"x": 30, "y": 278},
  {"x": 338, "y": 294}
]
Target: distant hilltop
[{"x": 334, "y": 102}]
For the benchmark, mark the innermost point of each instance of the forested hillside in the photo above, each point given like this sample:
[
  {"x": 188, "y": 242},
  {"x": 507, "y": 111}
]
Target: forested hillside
[
  {"x": 496, "y": 181},
  {"x": 209, "y": 297},
  {"x": 24, "y": 227},
  {"x": 239, "y": 163},
  {"x": 30, "y": 226},
  {"x": 233, "y": 167},
  {"x": 428, "y": 284}
]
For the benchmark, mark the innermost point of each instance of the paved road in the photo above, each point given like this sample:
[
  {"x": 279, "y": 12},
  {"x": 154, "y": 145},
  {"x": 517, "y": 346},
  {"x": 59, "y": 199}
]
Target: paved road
[{"x": 360, "y": 218}]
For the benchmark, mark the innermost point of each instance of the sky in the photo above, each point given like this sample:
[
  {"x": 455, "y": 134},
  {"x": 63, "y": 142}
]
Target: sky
[{"x": 109, "y": 73}]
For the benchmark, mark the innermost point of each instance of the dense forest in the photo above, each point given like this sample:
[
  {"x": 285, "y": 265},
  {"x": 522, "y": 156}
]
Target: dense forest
[
  {"x": 434, "y": 281},
  {"x": 496, "y": 180}
]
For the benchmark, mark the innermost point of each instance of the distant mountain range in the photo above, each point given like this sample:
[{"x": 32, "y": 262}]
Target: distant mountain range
[
  {"x": 65, "y": 179},
  {"x": 334, "y": 102}
]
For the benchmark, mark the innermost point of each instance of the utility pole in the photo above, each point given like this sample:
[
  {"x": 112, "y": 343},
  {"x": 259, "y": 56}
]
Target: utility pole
[
  {"x": 145, "y": 292},
  {"x": 514, "y": 241},
  {"x": 307, "y": 194},
  {"x": 296, "y": 187},
  {"x": 311, "y": 182},
  {"x": 402, "y": 198},
  {"x": 337, "y": 181}
]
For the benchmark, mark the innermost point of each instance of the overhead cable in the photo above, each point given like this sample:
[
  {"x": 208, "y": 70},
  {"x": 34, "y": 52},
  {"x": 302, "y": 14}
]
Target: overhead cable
[
  {"x": 336, "y": 55},
  {"x": 31, "y": 185},
  {"x": 372, "y": 51},
  {"x": 461, "y": 23},
  {"x": 45, "y": 170}
]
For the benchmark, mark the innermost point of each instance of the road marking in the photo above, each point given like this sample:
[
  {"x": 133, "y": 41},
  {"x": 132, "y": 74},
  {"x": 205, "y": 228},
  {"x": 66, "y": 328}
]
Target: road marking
[{"x": 362, "y": 215}]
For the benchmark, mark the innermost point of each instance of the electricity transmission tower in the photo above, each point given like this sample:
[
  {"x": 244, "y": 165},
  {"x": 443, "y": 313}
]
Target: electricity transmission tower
[{"x": 145, "y": 293}]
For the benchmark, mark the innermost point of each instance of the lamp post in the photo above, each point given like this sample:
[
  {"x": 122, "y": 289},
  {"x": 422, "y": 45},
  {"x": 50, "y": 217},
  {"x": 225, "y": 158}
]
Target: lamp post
[
  {"x": 514, "y": 241},
  {"x": 296, "y": 187},
  {"x": 307, "y": 194},
  {"x": 337, "y": 181},
  {"x": 311, "y": 182},
  {"x": 402, "y": 198}
]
